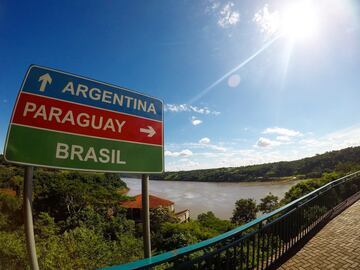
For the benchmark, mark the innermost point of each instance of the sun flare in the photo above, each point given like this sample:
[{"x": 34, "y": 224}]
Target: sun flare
[{"x": 299, "y": 21}]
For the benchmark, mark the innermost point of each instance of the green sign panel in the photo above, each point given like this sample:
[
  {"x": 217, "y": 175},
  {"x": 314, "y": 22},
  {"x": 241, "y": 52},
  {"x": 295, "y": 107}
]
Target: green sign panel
[{"x": 66, "y": 121}]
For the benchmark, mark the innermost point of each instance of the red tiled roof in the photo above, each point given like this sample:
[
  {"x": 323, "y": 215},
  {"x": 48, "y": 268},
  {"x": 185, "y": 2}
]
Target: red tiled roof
[
  {"x": 8, "y": 191},
  {"x": 154, "y": 202}
]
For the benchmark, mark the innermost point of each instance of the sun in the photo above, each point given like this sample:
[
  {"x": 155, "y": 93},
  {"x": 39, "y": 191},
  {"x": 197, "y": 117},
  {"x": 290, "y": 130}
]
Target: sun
[{"x": 299, "y": 21}]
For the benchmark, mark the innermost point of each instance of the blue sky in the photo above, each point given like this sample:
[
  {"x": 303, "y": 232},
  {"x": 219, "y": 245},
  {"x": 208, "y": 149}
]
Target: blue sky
[{"x": 244, "y": 82}]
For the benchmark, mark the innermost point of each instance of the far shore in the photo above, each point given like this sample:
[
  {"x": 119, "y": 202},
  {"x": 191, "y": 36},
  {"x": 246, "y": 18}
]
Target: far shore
[{"x": 263, "y": 180}]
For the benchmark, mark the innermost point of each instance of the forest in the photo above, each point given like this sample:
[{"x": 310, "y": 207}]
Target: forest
[
  {"x": 79, "y": 223},
  {"x": 311, "y": 167}
]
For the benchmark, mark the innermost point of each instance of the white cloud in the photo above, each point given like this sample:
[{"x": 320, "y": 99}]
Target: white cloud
[
  {"x": 189, "y": 108},
  {"x": 217, "y": 148},
  {"x": 213, "y": 7},
  {"x": 204, "y": 140},
  {"x": 263, "y": 142},
  {"x": 203, "y": 145},
  {"x": 269, "y": 22},
  {"x": 282, "y": 132},
  {"x": 333, "y": 141},
  {"x": 176, "y": 108},
  {"x": 283, "y": 138},
  {"x": 182, "y": 164},
  {"x": 195, "y": 121},
  {"x": 208, "y": 155},
  {"x": 183, "y": 153},
  {"x": 228, "y": 16}
]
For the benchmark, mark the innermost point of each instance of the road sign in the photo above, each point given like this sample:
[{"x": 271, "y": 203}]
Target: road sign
[{"x": 62, "y": 120}]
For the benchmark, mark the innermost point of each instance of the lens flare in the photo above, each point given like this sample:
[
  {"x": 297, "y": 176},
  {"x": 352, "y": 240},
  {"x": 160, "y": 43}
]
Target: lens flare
[{"x": 300, "y": 21}]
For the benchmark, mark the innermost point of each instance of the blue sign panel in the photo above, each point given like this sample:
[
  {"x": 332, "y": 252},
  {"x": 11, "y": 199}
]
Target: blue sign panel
[{"x": 72, "y": 88}]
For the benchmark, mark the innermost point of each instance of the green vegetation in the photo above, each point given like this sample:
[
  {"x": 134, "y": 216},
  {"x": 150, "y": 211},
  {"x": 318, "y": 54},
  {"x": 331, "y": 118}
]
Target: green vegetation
[
  {"x": 79, "y": 223},
  {"x": 173, "y": 235},
  {"x": 245, "y": 211},
  {"x": 312, "y": 167},
  {"x": 269, "y": 203}
]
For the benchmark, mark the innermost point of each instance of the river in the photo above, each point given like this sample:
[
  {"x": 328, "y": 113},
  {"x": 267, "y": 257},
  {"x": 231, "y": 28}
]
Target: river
[{"x": 200, "y": 197}]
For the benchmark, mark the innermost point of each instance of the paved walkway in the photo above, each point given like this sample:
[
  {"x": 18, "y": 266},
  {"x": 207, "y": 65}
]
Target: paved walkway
[{"x": 335, "y": 247}]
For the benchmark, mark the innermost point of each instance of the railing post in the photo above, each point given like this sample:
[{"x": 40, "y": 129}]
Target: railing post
[{"x": 258, "y": 246}]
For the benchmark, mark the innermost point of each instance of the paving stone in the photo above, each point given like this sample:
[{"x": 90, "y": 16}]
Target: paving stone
[{"x": 336, "y": 246}]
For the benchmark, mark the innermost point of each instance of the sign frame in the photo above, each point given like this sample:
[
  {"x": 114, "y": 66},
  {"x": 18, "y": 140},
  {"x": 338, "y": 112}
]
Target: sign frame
[{"x": 85, "y": 169}]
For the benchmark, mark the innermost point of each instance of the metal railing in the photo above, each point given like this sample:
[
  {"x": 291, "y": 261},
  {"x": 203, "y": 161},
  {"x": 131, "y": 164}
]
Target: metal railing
[{"x": 265, "y": 242}]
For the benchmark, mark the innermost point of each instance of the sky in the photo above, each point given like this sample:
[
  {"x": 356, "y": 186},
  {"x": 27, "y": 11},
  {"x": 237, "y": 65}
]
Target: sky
[{"x": 243, "y": 82}]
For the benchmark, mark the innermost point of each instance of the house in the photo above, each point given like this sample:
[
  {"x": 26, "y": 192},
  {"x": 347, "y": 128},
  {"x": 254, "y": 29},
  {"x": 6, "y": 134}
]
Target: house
[
  {"x": 183, "y": 216},
  {"x": 135, "y": 206}
]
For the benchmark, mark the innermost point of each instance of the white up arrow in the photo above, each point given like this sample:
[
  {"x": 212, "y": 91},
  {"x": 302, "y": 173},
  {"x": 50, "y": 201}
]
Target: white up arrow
[
  {"x": 44, "y": 79},
  {"x": 150, "y": 131}
]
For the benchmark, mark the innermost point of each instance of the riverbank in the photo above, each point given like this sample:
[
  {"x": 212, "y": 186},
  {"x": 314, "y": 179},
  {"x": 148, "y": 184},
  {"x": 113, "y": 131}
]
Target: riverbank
[{"x": 257, "y": 180}]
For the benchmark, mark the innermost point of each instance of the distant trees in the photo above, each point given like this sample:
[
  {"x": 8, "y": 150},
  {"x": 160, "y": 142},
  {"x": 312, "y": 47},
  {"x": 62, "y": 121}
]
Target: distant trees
[{"x": 345, "y": 161}]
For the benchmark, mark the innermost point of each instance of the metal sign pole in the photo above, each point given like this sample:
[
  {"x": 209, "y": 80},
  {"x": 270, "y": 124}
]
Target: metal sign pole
[
  {"x": 146, "y": 215},
  {"x": 29, "y": 227}
]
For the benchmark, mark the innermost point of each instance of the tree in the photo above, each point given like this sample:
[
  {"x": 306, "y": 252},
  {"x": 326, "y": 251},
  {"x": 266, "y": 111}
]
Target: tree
[
  {"x": 176, "y": 235},
  {"x": 159, "y": 216},
  {"x": 17, "y": 183},
  {"x": 269, "y": 203},
  {"x": 210, "y": 221},
  {"x": 245, "y": 211}
]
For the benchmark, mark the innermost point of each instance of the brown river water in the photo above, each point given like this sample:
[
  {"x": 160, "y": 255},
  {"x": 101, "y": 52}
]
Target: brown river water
[{"x": 200, "y": 197}]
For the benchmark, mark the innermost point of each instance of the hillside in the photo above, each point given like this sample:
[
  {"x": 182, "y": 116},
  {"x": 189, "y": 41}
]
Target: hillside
[{"x": 344, "y": 160}]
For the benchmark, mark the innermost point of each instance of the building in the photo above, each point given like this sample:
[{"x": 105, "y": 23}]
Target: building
[
  {"x": 134, "y": 207},
  {"x": 183, "y": 216}
]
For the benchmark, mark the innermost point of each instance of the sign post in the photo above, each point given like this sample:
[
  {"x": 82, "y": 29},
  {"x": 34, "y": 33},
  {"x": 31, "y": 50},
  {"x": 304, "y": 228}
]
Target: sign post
[
  {"x": 146, "y": 215},
  {"x": 65, "y": 121},
  {"x": 28, "y": 217}
]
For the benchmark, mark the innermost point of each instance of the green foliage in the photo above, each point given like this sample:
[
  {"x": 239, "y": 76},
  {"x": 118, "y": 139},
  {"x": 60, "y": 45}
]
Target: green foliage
[
  {"x": 78, "y": 221},
  {"x": 211, "y": 222},
  {"x": 301, "y": 189},
  {"x": 10, "y": 212},
  {"x": 159, "y": 216},
  {"x": 245, "y": 211},
  {"x": 269, "y": 203},
  {"x": 173, "y": 235},
  {"x": 176, "y": 235},
  {"x": 306, "y": 186},
  {"x": 12, "y": 250},
  {"x": 67, "y": 193}
]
